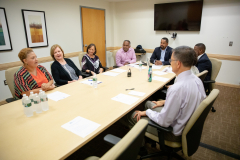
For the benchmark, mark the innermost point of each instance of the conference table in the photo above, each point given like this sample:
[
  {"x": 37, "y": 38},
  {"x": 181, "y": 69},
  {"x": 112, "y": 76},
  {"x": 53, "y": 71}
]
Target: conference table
[{"x": 42, "y": 137}]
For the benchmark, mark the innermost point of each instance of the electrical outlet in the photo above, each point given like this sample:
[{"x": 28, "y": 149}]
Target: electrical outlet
[
  {"x": 5, "y": 82},
  {"x": 230, "y": 43}
]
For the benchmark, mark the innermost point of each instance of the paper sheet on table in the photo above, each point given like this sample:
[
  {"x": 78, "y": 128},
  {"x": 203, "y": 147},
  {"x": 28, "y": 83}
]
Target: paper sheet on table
[
  {"x": 89, "y": 82},
  {"x": 160, "y": 79},
  {"x": 81, "y": 126},
  {"x": 125, "y": 99},
  {"x": 56, "y": 96},
  {"x": 168, "y": 70},
  {"x": 136, "y": 93},
  {"x": 111, "y": 74},
  {"x": 119, "y": 70},
  {"x": 159, "y": 73},
  {"x": 156, "y": 66},
  {"x": 136, "y": 66}
]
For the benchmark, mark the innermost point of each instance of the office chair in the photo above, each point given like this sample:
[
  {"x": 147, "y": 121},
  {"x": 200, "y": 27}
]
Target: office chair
[
  {"x": 202, "y": 75},
  {"x": 114, "y": 58},
  {"x": 9, "y": 75},
  {"x": 128, "y": 147},
  {"x": 85, "y": 74},
  {"x": 191, "y": 134},
  {"x": 216, "y": 65}
]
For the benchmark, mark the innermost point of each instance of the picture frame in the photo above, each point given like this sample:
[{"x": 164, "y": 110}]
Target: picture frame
[
  {"x": 35, "y": 28},
  {"x": 5, "y": 40}
]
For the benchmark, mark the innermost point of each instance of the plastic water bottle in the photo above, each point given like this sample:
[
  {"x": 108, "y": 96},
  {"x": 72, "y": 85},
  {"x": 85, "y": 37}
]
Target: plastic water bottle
[
  {"x": 31, "y": 98},
  {"x": 28, "y": 107},
  {"x": 150, "y": 74},
  {"x": 44, "y": 101},
  {"x": 140, "y": 66},
  {"x": 37, "y": 104},
  {"x": 23, "y": 99},
  {"x": 95, "y": 81}
]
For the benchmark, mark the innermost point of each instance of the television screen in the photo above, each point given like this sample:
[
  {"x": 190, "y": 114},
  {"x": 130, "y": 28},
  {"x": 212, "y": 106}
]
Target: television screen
[{"x": 180, "y": 16}]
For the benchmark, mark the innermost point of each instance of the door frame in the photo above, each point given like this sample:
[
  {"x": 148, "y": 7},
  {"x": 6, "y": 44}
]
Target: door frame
[{"x": 104, "y": 27}]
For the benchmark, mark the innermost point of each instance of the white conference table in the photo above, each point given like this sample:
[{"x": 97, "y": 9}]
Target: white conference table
[{"x": 42, "y": 137}]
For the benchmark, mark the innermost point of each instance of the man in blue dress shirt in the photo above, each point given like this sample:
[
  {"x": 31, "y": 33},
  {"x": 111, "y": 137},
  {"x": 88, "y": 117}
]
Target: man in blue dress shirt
[{"x": 162, "y": 54}]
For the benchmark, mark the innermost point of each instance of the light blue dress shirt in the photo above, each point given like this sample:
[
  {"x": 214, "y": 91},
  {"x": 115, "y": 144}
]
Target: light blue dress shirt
[{"x": 163, "y": 54}]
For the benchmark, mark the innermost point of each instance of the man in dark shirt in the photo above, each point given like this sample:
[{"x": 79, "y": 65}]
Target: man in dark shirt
[
  {"x": 204, "y": 62},
  {"x": 162, "y": 54}
]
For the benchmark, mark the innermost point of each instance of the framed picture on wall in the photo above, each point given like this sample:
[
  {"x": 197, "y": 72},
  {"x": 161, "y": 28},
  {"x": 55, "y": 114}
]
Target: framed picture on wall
[
  {"x": 5, "y": 41},
  {"x": 35, "y": 28}
]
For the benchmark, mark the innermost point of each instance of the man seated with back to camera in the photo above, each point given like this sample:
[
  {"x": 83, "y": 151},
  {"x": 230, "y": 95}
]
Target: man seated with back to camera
[{"x": 183, "y": 97}]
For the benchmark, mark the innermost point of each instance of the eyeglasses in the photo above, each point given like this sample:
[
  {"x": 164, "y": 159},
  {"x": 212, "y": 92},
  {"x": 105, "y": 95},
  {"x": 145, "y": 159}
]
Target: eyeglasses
[{"x": 170, "y": 60}]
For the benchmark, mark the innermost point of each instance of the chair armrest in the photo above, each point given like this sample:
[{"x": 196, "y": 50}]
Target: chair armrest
[
  {"x": 153, "y": 124},
  {"x": 111, "y": 139},
  {"x": 9, "y": 100},
  {"x": 84, "y": 74},
  {"x": 207, "y": 82},
  {"x": 105, "y": 69}
]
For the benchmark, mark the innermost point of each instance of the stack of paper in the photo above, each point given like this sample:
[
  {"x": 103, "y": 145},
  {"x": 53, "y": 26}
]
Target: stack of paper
[
  {"x": 89, "y": 82},
  {"x": 159, "y": 73},
  {"x": 156, "y": 66},
  {"x": 56, "y": 96},
  {"x": 125, "y": 99},
  {"x": 111, "y": 74},
  {"x": 81, "y": 126},
  {"x": 136, "y": 93},
  {"x": 160, "y": 79},
  {"x": 119, "y": 70}
]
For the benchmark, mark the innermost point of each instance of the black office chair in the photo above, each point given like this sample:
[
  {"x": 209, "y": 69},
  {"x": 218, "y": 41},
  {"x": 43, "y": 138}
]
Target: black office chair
[
  {"x": 126, "y": 148},
  {"x": 191, "y": 134}
]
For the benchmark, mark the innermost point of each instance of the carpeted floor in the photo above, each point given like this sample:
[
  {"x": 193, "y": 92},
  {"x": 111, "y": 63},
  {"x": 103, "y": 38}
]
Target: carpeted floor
[{"x": 220, "y": 138}]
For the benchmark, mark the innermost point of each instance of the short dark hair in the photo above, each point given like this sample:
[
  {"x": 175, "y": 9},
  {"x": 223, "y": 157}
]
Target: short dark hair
[
  {"x": 127, "y": 41},
  {"x": 166, "y": 39},
  {"x": 186, "y": 55},
  {"x": 90, "y": 45},
  {"x": 201, "y": 46}
]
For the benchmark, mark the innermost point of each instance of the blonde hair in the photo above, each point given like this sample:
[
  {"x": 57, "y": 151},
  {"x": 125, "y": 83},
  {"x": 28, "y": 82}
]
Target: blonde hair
[
  {"x": 24, "y": 53},
  {"x": 53, "y": 49}
]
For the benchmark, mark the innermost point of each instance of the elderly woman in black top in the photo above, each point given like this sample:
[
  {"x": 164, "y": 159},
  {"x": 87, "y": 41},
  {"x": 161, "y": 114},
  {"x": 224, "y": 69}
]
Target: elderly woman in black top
[
  {"x": 64, "y": 71},
  {"x": 90, "y": 61}
]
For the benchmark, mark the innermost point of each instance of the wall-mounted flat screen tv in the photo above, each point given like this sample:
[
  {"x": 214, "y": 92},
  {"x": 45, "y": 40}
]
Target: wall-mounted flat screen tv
[{"x": 179, "y": 16}]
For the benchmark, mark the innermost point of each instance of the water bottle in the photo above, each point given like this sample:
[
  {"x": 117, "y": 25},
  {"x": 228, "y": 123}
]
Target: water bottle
[
  {"x": 44, "y": 101},
  {"x": 150, "y": 74},
  {"x": 28, "y": 107},
  {"x": 37, "y": 104},
  {"x": 140, "y": 66},
  {"x": 94, "y": 80},
  {"x": 23, "y": 99},
  {"x": 31, "y": 98}
]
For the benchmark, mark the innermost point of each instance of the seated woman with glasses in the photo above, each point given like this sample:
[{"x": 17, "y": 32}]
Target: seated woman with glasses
[
  {"x": 31, "y": 77},
  {"x": 64, "y": 71},
  {"x": 90, "y": 61}
]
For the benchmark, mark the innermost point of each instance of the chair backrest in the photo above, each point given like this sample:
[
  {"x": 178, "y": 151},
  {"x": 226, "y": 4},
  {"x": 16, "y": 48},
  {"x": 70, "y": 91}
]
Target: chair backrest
[
  {"x": 81, "y": 54},
  {"x": 202, "y": 75},
  {"x": 9, "y": 75},
  {"x": 216, "y": 65},
  {"x": 128, "y": 147},
  {"x": 193, "y": 130},
  {"x": 114, "y": 56}
]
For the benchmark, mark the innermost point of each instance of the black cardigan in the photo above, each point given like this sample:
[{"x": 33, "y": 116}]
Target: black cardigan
[{"x": 60, "y": 75}]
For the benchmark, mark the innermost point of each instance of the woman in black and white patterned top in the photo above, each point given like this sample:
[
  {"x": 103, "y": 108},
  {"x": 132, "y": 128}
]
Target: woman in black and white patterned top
[{"x": 64, "y": 71}]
